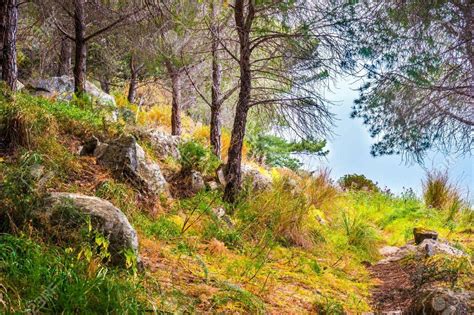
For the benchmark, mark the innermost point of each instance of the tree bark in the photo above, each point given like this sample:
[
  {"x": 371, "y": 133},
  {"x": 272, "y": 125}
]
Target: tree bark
[
  {"x": 175, "y": 75},
  {"x": 132, "y": 89},
  {"x": 216, "y": 101},
  {"x": 81, "y": 48},
  {"x": 64, "y": 66},
  {"x": 9, "y": 62},
  {"x": 234, "y": 160},
  {"x": 3, "y": 26}
]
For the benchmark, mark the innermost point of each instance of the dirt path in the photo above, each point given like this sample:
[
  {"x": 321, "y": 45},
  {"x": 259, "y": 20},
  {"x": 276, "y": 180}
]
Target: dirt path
[{"x": 395, "y": 289}]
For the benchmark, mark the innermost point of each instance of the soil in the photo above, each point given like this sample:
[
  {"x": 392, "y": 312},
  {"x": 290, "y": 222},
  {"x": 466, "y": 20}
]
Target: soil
[{"x": 395, "y": 290}]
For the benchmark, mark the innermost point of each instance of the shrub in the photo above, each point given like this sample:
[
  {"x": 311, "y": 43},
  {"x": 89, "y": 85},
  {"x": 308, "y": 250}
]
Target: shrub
[
  {"x": 194, "y": 156},
  {"x": 439, "y": 193},
  {"x": 357, "y": 182}
]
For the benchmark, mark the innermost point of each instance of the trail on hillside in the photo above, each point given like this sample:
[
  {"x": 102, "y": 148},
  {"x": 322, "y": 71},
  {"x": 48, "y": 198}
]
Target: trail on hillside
[{"x": 394, "y": 289}]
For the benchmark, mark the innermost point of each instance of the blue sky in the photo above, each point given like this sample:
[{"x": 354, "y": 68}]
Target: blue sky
[{"x": 350, "y": 152}]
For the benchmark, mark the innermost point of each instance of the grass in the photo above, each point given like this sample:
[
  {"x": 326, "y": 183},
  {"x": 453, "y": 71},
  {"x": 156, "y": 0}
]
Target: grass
[{"x": 38, "y": 278}]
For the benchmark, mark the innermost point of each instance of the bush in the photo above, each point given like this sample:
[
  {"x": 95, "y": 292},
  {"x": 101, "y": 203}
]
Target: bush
[
  {"x": 438, "y": 193},
  {"x": 194, "y": 156},
  {"x": 357, "y": 182}
]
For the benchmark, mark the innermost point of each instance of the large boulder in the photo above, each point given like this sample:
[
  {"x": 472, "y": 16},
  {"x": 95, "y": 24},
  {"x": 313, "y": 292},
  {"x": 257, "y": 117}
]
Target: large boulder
[
  {"x": 63, "y": 89},
  {"x": 104, "y": 217},
  {"x": 126, "y": 159}
]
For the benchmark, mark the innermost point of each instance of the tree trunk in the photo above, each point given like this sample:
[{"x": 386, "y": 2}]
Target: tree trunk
[
  {"x": 105, "y": 84},
  {"x": 175, "y": 75},
  {"x": 234, "y": 160},
  {"x": 132, "y": 89},
  {"x": 3, "y": 27},
  {"x": 9, "y": 64},
  {"x": 64, "y": 66},
  {"x": 81, "y": 48},
  {"x": 216, "y": 102}
]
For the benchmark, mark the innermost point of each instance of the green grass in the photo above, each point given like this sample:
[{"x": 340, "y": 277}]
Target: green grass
[{"x": 45, "y": 279}]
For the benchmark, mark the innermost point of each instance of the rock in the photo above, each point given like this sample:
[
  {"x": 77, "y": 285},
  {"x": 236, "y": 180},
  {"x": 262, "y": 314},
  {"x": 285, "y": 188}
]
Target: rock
[
  {"x": 63, "y": 88},
  {"x": 126, "y": 159},
  {"x": 105, "y": 217},
  {"x": 164, "y": 144},
  {"x": 431, "y": 247},
  {"x": 212, "y": 185},
  {"x": 440, "y": 300},
  {"x": 421, "y": 234},
  {"x": 388, "y": 250},
  {"x": 259, "y": 181},
  {"x": 221, "y": 215},
  {"x": 197, "y": 182},
  {"x": 89, "y": 147}
]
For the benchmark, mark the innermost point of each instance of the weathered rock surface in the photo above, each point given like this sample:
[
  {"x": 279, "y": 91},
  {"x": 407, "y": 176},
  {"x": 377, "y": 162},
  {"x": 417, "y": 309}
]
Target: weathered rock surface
[
  {"x": 105, "y": 217},
  {"x": 259, "y": 181},
  {"x": 63, "y": 88},
  {"x": 164, "y": 144},
  {"x": 197, "y": 181},
  {"x": 440, "y": 300},
  {"x": 126, "y": 158},
  {"x": 421, "y": 234}
]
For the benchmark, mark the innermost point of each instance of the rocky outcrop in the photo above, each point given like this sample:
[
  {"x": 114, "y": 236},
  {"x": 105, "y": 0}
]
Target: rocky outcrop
[
  {"x": 63, "y": 89},
  {"x": 126, "y": 159},
  {"x": 104, "y": 217}
]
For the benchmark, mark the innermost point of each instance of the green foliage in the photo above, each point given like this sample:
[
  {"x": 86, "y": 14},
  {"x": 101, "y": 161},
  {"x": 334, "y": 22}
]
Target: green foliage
[
  {"x": 246, "y": 301},
  {"x": 276, "y": 151},
  {"x": 40, "y": 279},
  {"x": 359, "y": 233},
  {"x": 164, "y": 229},
  {"x": 328, "y": 306},
  {"x": 357, "y": 182},
  {"x": 19, "y": 191},
  {"x": 194, "y": 156},
  {"x": 120, "y": 194}
]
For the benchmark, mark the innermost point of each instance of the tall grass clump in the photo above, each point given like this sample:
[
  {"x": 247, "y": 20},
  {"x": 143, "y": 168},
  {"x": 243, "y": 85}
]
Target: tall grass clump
[
  {"x": 439, "y": 193},
  {"x": 320, "y": 190},
  {"x": 279, "y": 211}
]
